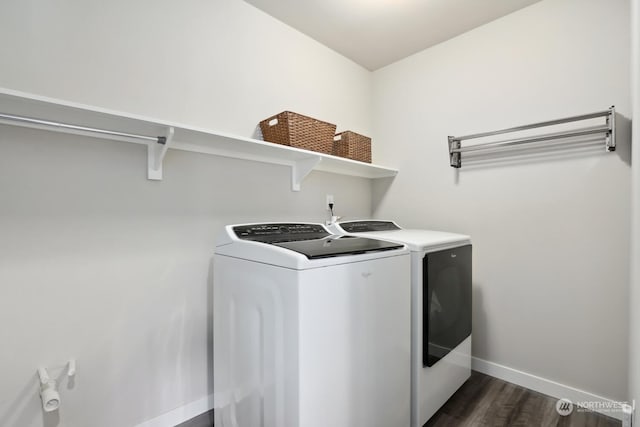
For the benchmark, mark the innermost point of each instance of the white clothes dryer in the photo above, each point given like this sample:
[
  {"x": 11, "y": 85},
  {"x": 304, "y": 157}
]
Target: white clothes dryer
[
  {"x": 440, "y": 310},
  {"x": 310, "y": 329}
]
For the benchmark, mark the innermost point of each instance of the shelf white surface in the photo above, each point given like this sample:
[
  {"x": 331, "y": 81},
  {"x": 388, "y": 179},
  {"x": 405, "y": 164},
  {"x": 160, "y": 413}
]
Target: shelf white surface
[{"x": 179, "y": 137}]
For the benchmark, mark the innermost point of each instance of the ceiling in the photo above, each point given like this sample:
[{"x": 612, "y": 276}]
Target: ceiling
[{"x": 375, "y": 33}]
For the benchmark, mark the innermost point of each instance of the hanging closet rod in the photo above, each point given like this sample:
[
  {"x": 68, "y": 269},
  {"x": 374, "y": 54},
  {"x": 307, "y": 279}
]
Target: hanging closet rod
[
  {"x": 607, "y": 130},
  {"x": 74, "y": 129}
]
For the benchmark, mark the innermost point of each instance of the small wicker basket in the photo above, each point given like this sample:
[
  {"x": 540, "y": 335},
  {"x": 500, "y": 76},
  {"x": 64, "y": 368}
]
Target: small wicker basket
[
  {"x": 352, "y": 146},
  {"x": 296, "y": 130}
]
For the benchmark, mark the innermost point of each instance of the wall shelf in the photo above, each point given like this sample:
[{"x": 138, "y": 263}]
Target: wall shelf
[{"x": 33, "y": 111}]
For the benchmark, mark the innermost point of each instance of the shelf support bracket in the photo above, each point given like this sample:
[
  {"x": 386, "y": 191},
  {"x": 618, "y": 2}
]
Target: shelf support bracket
[
  {"x": 300, "y": 169},
  {"x": 455, "y": 158},
  {"x": 156, "y": 152},
  {"x": 611, "y": 135}
]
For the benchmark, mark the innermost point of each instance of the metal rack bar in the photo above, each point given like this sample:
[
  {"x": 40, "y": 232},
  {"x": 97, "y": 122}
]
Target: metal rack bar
[
  {"x": 541, "y": 138},
  {"x": 607, "y": 130},
  {"x": 75, "y": 129}
]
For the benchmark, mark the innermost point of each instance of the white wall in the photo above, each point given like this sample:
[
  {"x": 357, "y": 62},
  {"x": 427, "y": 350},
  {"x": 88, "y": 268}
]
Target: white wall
[
  {"x": 100, "y": 264},
  {"x": 551, "y": 233},
  {"x": 221, "y": 64},
  {"x": 634, "y": 298}
]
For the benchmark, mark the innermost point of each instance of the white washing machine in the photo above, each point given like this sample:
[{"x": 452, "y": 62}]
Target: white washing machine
[
  {"x": 310, "y": 329},
  {"x": 441, "y": 310}
]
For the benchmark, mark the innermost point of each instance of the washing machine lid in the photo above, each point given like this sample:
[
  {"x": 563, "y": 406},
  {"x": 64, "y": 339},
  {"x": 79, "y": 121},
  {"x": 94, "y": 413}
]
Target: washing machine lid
[
  {"x": 416, "y": 240},
  {"x": 311, "y": 240},
  {"x": 334, "y": 246}
]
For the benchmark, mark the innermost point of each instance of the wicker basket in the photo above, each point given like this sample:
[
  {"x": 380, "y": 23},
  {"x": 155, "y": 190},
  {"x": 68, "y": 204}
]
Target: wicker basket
[
  {"x": 352, "y": 146},
  {"x": 296, "y": 130}
]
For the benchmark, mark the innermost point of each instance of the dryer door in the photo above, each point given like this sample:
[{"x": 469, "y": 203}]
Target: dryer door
[{"x": 446, "y": 302}]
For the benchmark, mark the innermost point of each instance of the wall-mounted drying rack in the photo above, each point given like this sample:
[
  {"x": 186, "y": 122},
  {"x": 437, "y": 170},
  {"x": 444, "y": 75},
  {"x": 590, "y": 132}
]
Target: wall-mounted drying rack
[
  {"x": 34, "y": 111},
  {"x": 607, "y": 131}
]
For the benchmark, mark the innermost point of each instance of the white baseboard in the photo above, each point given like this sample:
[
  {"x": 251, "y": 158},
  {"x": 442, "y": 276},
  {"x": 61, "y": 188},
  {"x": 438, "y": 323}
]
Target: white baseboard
[
  {"x": 543, "y": 385},
  {"x": 181, "y": 414}
]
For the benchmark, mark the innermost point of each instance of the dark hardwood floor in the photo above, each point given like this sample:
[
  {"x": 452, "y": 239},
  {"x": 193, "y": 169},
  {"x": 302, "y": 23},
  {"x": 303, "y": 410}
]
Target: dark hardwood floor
[
  {"x": 489, "y": 402},
  {"x": 202, "y": 420}
]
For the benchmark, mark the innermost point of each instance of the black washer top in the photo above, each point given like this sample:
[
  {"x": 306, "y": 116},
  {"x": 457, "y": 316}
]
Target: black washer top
[
  {"x": 311, "y": 240},
  {"x": 364, "y": 226}
]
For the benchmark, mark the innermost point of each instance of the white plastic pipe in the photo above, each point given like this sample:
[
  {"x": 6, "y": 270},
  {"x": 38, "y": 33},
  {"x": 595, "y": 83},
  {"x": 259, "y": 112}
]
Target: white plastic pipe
[
  {"x": 43, "y": 375},
  {"x": 50, "y": 396},
  {"x": 48, "y": 391}
]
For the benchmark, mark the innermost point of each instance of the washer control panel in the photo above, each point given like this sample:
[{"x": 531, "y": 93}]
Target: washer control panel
[
  {"x": 364, "y": 226},
  {"x": 280, "y": 232}
]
